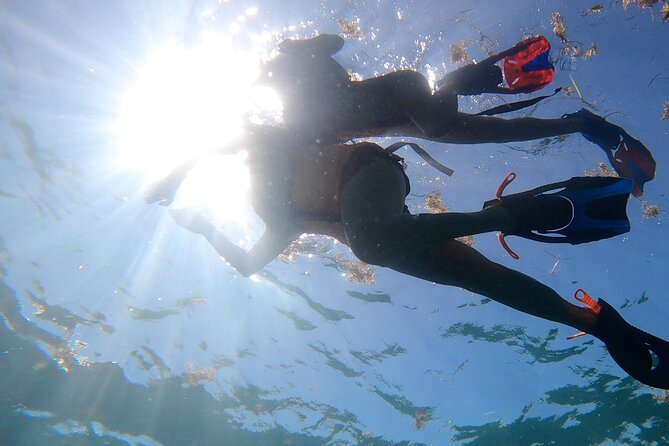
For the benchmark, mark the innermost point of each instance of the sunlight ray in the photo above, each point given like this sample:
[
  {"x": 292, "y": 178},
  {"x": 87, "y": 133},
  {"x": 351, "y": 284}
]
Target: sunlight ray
[{"x": 185, "y": 102}]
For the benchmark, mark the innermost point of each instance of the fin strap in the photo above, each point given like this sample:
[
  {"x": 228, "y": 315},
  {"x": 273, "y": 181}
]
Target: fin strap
[
  {"x": 582, "y": 296},
  {"x": 507, "y": 180},
  {"x": 498, "y": 196},
  {"x": 423, "y": 154},
  {"x": 502, "y": 241},
  {"x": 518, "y": 105}
]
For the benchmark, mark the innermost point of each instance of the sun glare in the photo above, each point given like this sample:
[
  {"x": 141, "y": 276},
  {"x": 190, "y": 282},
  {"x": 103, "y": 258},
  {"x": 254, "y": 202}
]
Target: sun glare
[
  {"x": 185, "y": 102},
  {"x": 218, "y": 187}
]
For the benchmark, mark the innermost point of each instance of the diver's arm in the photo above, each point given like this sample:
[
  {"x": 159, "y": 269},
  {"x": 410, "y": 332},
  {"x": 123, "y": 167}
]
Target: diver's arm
[
  {"x": 272, "y": 243},
  {"x": 234, "y": 145},
  {"x": 164, "y": 190}
]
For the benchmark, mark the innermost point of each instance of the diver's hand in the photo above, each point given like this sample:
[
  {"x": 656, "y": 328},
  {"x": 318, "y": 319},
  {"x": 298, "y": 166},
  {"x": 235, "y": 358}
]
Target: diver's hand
[
  {"x": 163, "y": 191},
  {"x": 191, "y": 220}
]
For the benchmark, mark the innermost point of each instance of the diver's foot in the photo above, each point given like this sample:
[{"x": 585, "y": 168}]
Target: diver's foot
[
  {"x": 529, "y": 214},
  {"x": 472, "y": 79},
  {"x": 534, "y": 212},
  {"x": 539, "y": 212},
  {"x": 628, "y": 156},
  {"x": 580, "y": 210}
]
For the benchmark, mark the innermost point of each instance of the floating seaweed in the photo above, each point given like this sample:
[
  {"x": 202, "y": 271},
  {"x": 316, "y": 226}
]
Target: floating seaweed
[
  {"x": 647, "y": 3},
  {"x": 486, "y": 43},
  {"x": 305, "y": 245},
  {"x": 571, "y": 49},
  {"x": 601, "y": 171},
  {"x": 459, "y": 52},
  {"x": 639, "y": 3},
  {"x": 468, "y": 240},
  {"x": 358, "y": 272},
  {"x": 590, "y": 52},
  {"x": 420, "y": 419},
  {"x": 351, "y": 28},
  {"x": 435, "y": 204},
  {"x": 196, "y": 376},
  {"x": 650, "y": 210},
  {"x": 597, "y": 9},
  {"x": 662, "y": 397},
  {"x": 559, "y": 27},
  {"x": 643, "y": 4}
]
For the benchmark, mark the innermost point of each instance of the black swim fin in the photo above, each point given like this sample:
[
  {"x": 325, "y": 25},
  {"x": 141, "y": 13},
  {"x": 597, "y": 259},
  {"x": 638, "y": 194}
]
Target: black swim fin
[
  {"x": 629, "y": 346},
  {"x": 581, "y": 210},
  {"x": 527, "y": 68}
]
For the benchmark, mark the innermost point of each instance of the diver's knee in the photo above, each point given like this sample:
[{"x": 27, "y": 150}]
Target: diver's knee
[
  {"x": 409, "y": 81},
  {"x": 370, "y": 255},
  {"x": 437, "y": 118},
  {"x": 369, "y": 250},
  {"x": 435, "y": 128}
]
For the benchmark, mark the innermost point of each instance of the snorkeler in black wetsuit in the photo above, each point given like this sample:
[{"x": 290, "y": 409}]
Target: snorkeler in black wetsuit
[
  {"x": 323, "y": 104},
  {"x": 356, "y": 193},
  {"x": 303, "y": 181}
]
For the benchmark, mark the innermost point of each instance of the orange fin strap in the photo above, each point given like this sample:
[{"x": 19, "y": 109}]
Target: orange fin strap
[
  {"x": 500, "y": 190},
  {"x": 582, "y": 296},
  {"x": 500, "y": 237}
]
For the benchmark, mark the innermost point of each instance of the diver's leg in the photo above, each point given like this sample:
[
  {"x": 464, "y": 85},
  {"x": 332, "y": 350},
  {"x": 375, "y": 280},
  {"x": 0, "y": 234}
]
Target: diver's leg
[
  {"x": 456, "y": 264},
  {"x": 376, "y": 194},
  {"x": 374, "y": 198},
  {"x": 472, "y": 129},
  {"x": 628, "y": 156},
  {"x": 471, "y": 79},
  {"x": 407, "y": 93},
  {"x": 379, "y": 233},
  {"x": 433, "y": 114}
]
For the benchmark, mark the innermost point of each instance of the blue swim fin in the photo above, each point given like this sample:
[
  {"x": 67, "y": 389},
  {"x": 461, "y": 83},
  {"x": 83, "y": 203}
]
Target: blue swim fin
[
  {"x": 581, "y": 210},
  {"x": 627, "y": 155}
]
